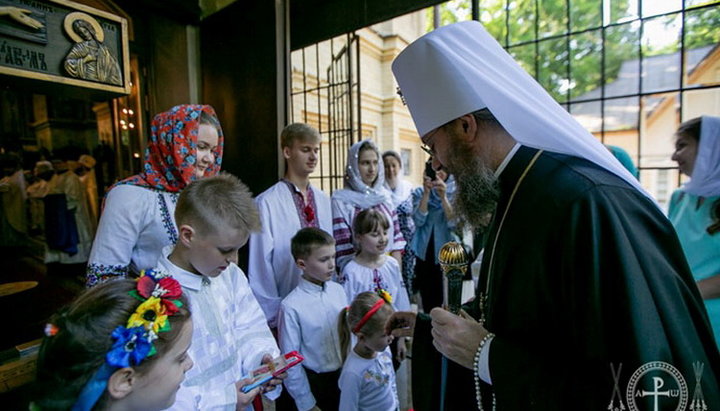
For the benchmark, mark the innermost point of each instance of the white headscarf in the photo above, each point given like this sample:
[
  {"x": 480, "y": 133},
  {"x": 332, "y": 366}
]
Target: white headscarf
[
  {"x": 356, "y": 192},
  {"x": 705, "y": 179},
  {"x": 460, "y": 68}
]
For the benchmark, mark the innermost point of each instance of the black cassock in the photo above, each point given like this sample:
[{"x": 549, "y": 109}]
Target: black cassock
[{"x": 588, "y": 278}]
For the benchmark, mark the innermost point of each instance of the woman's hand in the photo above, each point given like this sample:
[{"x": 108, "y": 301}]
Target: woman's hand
[
  {"x": 440, "y": 187},
  {"x": 427, "y": 185}
]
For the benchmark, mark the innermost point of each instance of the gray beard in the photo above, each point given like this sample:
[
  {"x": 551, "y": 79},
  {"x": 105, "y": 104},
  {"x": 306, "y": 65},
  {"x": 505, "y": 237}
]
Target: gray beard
[{"x": 477, "y": 191}]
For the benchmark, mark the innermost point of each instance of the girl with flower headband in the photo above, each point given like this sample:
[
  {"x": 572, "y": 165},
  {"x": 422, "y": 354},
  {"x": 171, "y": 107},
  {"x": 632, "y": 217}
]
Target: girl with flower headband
[
  {"x": 120, "y": 345},
  {"x": 186, "y": 143},
  {"x": 367, "y": 381},
  {"x": 372, "y": 270}
]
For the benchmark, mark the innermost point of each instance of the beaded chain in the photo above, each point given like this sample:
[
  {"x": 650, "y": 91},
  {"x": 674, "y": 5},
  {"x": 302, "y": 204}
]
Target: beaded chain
[{"x": 476, "y": 368}]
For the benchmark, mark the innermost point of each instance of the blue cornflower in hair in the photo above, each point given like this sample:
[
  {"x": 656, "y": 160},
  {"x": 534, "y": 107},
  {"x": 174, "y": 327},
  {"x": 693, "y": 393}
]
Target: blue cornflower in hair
[{"x": 130, "y": 348}]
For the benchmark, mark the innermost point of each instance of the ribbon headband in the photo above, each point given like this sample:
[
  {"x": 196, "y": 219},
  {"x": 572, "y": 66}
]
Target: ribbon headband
[{"x": 379, "y": 303}]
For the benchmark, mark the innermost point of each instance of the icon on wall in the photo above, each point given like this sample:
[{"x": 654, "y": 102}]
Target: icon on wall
[{"x": 89, "y": 58}]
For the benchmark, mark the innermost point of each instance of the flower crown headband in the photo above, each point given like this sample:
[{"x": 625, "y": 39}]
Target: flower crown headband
[{"x": 160, "y": 294}]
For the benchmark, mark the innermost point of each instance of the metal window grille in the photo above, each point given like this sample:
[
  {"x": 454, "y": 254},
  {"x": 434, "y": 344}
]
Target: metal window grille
[
  {"x": 625, "y": 98},
  {"x": 326, "y": 94}
]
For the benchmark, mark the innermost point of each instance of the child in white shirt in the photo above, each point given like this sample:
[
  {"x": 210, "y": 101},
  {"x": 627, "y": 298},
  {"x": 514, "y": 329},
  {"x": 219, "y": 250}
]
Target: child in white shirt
[
  {"x": 307, "y": 322},
  {"x": 367, "y": 381},
  {"x": 214, "y": 217}
]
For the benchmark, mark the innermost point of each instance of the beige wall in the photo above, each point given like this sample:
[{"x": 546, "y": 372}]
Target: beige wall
[{"x": 385, "y": 120}]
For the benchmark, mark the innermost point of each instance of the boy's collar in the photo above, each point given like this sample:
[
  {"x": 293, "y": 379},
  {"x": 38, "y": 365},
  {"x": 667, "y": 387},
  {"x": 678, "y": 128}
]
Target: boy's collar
[
  {"x": 311, "y": 286},
  {"x": 294, "y": 187},
  {"x": 186, "y": 279}
]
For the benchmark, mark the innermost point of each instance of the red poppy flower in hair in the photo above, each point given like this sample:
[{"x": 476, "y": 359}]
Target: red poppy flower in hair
[{"x": 154, "y": 283}]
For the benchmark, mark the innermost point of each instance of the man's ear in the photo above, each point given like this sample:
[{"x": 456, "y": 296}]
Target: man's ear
[
  {"x": 468, "y": 127},
  {"x": 120, "y": 384},
  {"x": 286, "y": 152},
  {"x": 186, "y": 234}
]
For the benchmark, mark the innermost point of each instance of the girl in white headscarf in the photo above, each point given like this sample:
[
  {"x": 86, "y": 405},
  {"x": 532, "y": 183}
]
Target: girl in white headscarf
[
  {"x": 364, "y": 180},
  {"x": 695, "y": 207}
]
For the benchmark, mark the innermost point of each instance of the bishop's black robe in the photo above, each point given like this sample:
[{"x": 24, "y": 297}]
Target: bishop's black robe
[{"x": 588, "y": 274}]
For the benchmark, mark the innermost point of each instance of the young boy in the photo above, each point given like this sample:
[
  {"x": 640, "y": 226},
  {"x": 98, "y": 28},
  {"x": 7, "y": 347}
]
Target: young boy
[
  {"x": 271, "y": 269},
  {"x": 308, "y": 322},
  {"x": 215, "y": 217}
]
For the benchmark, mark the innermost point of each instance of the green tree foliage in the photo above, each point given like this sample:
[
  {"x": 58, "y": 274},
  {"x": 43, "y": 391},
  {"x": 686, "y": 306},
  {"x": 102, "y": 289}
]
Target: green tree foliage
[
  {"x": 569, "y": 66},
  {"x": 702, "y": 27}
]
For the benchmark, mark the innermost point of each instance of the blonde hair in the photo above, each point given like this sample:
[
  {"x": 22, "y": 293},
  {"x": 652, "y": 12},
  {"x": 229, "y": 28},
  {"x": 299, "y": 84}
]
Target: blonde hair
[
  {"x": 298, "y": 132},
  {"x": 350, "y": 316},
  {"x": 212, "y": 203}
]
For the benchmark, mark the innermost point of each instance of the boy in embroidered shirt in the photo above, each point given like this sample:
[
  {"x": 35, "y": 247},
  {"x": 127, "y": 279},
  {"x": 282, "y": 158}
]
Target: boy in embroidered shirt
[
  {"x": 289, "y": 205},
  {"x": 307, "y": 322},
  {"x": 214, "y": 217}
]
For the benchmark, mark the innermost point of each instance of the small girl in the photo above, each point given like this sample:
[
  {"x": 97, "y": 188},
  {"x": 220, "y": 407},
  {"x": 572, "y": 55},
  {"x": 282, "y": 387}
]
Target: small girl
[
  {"x": 120, "y": 345},
  {"x": 372, "y": 270},
  {"x": 367, "y": 381}
]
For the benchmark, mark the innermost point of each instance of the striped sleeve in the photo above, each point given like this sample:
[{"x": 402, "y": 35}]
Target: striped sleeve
[{"x": 342, "y": 233}]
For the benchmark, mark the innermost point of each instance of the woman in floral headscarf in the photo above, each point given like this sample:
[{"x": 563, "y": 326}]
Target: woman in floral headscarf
[
  {"x": 364, "y": 188},
  {"x": 186, "y": 143},
  {"x": 695, "y": 207}
]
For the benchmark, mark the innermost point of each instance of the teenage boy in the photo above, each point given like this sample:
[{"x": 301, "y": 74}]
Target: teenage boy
[
  {"x": 308, "y": 322},
  {"x": 272, "y": 271},
  {"x": 215, "y": 217}
]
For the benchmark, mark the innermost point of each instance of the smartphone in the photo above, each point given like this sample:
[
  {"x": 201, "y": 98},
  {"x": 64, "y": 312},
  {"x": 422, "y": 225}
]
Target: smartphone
[
  {"x": 266, "y": 372},
  {"x": 430, "y": 171}
]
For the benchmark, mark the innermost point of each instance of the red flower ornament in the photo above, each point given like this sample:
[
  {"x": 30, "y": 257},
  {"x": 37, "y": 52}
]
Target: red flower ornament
[{"x": 309, "y": 213}]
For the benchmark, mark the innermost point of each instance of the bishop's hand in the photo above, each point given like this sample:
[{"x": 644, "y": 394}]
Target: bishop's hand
[
  {"x": 401, "y": 324},
  {"x": 456, "y": 337}
]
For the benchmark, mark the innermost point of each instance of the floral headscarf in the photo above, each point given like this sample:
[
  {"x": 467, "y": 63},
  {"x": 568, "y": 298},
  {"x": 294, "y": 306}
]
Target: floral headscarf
[
  {"x": 171, "y": 153},
  {"x": 356, "y": 191}
]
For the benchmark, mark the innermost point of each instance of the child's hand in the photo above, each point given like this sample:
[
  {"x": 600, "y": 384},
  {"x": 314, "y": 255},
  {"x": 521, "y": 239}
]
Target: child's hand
[
  {"x": 270, "y": 385},
  {"x": 315, "y": 408},
  {"x": 245, "y": 399},
  {"x": 401, "y": 349}
]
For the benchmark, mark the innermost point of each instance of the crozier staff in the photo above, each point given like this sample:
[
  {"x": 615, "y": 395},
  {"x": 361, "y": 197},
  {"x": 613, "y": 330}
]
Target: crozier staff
[{"x": 582, "y": 272}]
